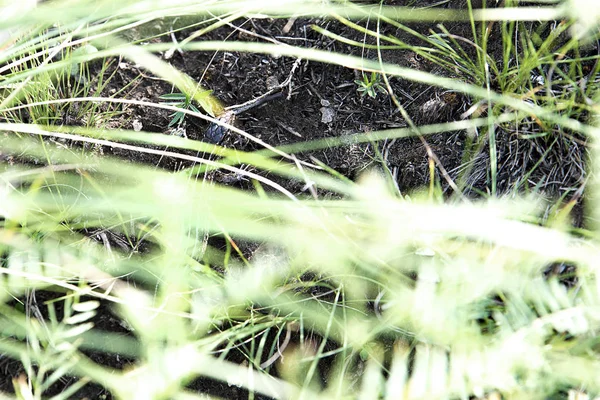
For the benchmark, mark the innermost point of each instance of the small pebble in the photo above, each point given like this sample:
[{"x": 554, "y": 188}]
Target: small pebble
[
  {"x": 327, "y": 114},
  {"x": 272, "y": 82},
  {"x": 137, "y": 125}
]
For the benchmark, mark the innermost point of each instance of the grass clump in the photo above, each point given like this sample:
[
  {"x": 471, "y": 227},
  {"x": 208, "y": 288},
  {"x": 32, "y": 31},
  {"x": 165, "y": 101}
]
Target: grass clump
[{"x": 139, "y": 282}]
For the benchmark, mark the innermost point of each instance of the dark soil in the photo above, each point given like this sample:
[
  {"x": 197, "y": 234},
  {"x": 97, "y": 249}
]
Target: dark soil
[{"x": 318, "y": 90}]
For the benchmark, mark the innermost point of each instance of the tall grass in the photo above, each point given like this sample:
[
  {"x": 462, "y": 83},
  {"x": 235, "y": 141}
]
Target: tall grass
[{"x": 365, "y": 293}]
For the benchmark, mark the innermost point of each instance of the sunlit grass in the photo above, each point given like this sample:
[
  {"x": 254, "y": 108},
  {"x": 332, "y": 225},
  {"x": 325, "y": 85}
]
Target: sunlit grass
[{"x": 367, "y": 293}]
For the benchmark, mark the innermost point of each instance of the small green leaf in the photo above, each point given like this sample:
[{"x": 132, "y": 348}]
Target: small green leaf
[
  {"x": 173, "y": 96},
  {"x": 177, "y": 118}
]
